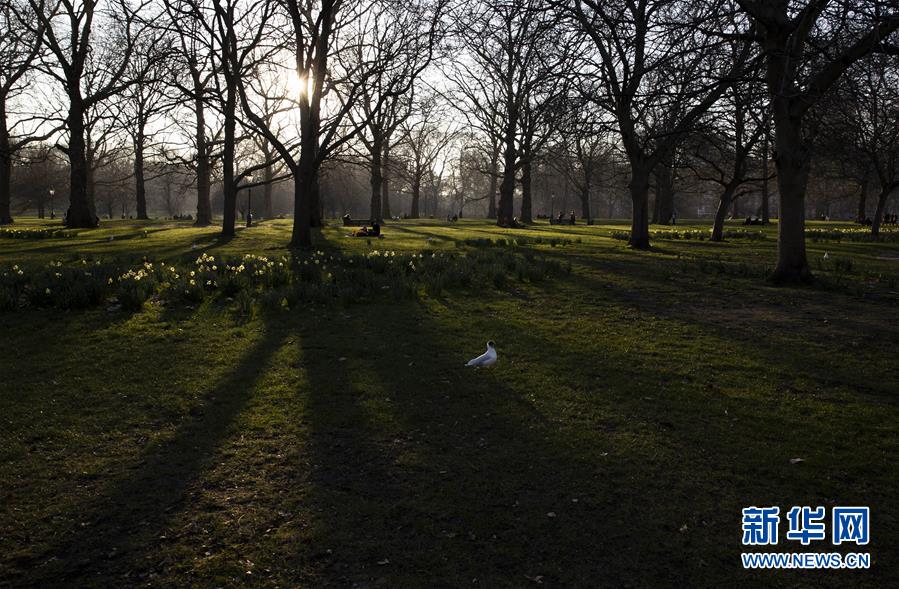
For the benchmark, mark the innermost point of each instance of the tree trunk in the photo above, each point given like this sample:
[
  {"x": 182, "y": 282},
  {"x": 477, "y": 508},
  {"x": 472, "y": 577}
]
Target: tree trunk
[
  {"x": 416, "y": 198},
  {"x": 229, "y": 187},
  {"x": 305, "y": 182},
  {"x": 385, "y": 183},
  {"x": 526, "y": 197},
  {"x": 5, "y": 168},
  {"x": 139, "y": 182},
  {"x": 505, "y": 213},
  {"x": 639, "y": 188},
  {"x": 721, "y": 212},
  {"x": 494, "y": 170},
  {"x": 81, "y": 213},
  {"x": 375, "y": 180},
  {"x": 204, "y": 171},
  {"x": 792, "y": 164},
  {"x": 881, "y": 205}
]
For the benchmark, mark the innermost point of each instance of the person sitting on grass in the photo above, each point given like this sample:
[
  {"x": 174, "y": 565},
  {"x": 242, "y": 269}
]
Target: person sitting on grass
[{"x": 375, "y": 231}]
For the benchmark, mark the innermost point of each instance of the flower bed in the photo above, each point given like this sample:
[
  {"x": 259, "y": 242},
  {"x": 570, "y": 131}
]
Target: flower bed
[{"x": 279, "y": 282}]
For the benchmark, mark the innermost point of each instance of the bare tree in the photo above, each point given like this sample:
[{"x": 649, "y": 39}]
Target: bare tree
[
  {"x": 142, "y": 103},
  {"x": 657, "y": 68},
  {"x": 325, "y": 53},
  {"x": 20, "y": 46},
  {"x": 195, "y": 60},
  {"x": 864, "y": 115},
  {"x": 387, "y": 101},
  {"x": 420, "y": 145},
  {"x": 721, "y": 152},
  {"x": 505, "y": 81},
  {"x": 75, "y": 52},
  {"x": 807, "y": 47},
  {"x": 584, "y": 147}
]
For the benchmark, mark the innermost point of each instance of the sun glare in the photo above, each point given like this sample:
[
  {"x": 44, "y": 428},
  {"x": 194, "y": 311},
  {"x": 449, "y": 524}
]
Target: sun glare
[{"x": 299, "y": 85}]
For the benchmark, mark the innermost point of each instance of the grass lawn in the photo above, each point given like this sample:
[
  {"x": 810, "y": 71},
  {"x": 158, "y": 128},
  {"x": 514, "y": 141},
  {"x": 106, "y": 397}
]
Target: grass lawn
[{"x": 637, "y": 406}]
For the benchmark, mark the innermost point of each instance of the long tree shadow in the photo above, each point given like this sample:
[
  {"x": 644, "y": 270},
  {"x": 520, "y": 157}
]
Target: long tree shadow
[
  {"x": 442, "y": 476},
  {"x": 111, "y": 536}
]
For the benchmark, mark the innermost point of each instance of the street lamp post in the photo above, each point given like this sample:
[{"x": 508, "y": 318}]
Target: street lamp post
[
  {"x": 51, "y": 192},
  {"x": 250, "y": 201},
  {"x": 552, "y": 205}
]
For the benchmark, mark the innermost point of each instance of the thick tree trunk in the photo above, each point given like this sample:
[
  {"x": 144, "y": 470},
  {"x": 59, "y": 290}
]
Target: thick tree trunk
[
  {"x": 491, "y": 198},
  {"x": 721, "y": 213},
  {"x": 229, "y": 187},
  {"x": 416, "y": 198},
  {"x": 526, "y": 193},
  {"x": 639, "y": 188},
  {"x": 139, "y": 182},
  {"x": 305, "y": 187},
  {"x": 505, "y": 212},
  {"x": 204, "y": 170},
  {"x": 792, "y": 164},
  {"x": 385, "y": 183},
  {"x": 5, "y": 168},
  {"x": 375, "y": 180},
  {"x": 81, "y": 213}
]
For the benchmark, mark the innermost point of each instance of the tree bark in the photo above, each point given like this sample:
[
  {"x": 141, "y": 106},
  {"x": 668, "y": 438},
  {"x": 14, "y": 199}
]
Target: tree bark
[
  {"x": 385, "y": 183},
  {"x": 81, "y": 213},
  {"x": 416, "y": 198},
  {"x": 639, "y": 188},
  {"x": 5, "y": 168},
  {"x": 139, "y": 181},
  {"x": 881, "y": 205},
  {"x": 721, "y": 213},
  {"x": 305, "y": 187},
  {"x": 491, "y": 198},
  {"x": 229, "y": 187},
  {"x": 376, "y": 179},
  {"x": 204, "y": 172},
  {"x": 792, "y": 163},
  {"x": 505, "y": 212},
  {"x": 526, "y": 196}
]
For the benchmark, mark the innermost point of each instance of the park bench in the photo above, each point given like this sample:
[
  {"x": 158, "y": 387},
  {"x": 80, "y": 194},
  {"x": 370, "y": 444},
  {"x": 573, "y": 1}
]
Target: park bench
[{"x": 563, "y": 221}]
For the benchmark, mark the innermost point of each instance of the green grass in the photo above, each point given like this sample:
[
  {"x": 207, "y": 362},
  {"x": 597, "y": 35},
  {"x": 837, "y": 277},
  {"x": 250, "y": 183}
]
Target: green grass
[{"x": 642, "y": 401}]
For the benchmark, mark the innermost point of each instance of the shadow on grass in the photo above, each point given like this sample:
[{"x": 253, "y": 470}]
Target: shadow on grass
[
  {"x": 445, "y": 475},
  {"x": 115, "y": 529}
]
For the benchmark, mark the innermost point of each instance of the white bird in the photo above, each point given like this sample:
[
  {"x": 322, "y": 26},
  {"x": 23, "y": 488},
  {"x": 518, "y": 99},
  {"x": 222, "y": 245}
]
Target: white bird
[{"x": 488, "y": 358}]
